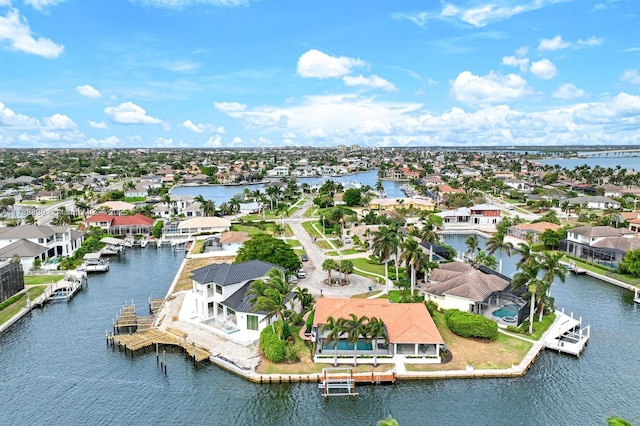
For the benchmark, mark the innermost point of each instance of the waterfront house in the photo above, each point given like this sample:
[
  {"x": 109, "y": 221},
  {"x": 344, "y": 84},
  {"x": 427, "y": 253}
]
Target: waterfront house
[
  {"x": 412, "y": 336},
  {"x": 228, "y": 242},
  {"x": 401, "y": 203},
  {"x": 475, "y": 289},
  {"x": 55, "y": 240},
  {"x": 220, "y": 299},
  {"x": 121, "y": 225},
  {"x": 198, "y": 225},
  {"x": 594, "y": 202},
  {"x": 116, "y": 208},
  {"x": 518, "y": 234},
  {"x": 603, "y": 245},
  {"x": 481, "y": 215}
]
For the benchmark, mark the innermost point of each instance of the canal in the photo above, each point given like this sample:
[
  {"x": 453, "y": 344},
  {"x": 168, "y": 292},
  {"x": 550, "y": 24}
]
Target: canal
[{"x": 57, "y": 369}]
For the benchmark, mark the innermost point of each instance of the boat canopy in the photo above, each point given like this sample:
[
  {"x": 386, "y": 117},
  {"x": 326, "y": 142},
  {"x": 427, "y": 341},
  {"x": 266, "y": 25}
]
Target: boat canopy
[
  {"x": 90, "y": 256},
  {"x": 112, "y": 241}
]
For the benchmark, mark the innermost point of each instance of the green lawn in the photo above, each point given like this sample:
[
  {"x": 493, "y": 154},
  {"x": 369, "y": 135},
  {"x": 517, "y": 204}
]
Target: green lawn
[
  {"x": 352, "y": 251},
  {"x": 326, "y": 246},
  {"x": 293, "y": 242},
  {"x": 8, "y": 312},
  {"x": 41, "y": 279},
  {"x": 364, "y": 264},
  {"x": 308, "y": 226},
  {"x": 310, "y": 212}
]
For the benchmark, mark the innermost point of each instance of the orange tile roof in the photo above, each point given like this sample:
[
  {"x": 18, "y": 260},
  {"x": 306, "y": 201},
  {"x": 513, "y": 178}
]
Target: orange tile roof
[{"x": 405, "y": 322}]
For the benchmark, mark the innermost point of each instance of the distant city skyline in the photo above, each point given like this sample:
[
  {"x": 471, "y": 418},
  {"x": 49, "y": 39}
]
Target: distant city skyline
[{"x": 244, "y": 73}]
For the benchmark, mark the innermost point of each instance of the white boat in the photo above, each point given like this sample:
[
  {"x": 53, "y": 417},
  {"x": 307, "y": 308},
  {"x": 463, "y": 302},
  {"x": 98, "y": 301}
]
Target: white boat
[{"x": 94, "y": 262}]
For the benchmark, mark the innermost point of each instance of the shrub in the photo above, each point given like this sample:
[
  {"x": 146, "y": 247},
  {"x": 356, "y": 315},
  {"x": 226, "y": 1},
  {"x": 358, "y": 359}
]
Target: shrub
[
  {"x": 465, "y": 324},
  {"x": 309, "y": 322},
  {"x": 271, "y": 346},
  {"x": 432, "y": 306},
  {"x": 11, "y": 300}
]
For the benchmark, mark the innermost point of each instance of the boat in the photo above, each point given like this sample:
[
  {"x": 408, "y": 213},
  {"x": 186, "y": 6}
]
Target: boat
[
  {"x": 94, "y": 262},
  {"x": 113, "y": 247}
]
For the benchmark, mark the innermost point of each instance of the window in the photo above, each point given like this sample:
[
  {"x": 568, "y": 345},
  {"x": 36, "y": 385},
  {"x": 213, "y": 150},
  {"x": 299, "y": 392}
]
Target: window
[
  {"x": 230, "y": 312},
  {"x": 252, "y": 322},
  {"x": 218, "y": 289}
]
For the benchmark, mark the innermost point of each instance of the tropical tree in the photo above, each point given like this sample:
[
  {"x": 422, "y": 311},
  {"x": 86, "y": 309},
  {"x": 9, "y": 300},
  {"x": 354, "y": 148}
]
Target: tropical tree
[
  {"x": 329, "y": 265},
  {"x": 382, "y": 246},
  {"x": 529, "y": 276},
  {"x": 483, "y": 258},
  {"x": 472, "y": 246},
  {"x": 356, "y": 327},
  {"x": 414, "y": 257},
  {"x": 274, "y": 299},
  {"x": 376, "y": 330},
  {"x": 497, "y": 243},
  {"x": 346, "y": 267},
  {"x": 336, "y": 329},
  {"x": 305, "y": 298},
  {"x": 550, "y": 264}
]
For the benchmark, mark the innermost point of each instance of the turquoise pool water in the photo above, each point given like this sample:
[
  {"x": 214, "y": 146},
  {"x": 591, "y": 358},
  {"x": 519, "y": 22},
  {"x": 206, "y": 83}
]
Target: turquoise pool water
[
  {"x": 507, "y": 311},
  {"x": 343, "y": 345}
]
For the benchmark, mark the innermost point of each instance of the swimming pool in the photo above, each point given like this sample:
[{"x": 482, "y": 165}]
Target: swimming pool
[
  {"x": 343, "y": 345},
  {"x": 508, "y": 313}
]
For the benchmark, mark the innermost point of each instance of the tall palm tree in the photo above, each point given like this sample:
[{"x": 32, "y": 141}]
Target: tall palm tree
[
  {"x": 346, "y": 267},
  {"x": 399, "y": 238},
  {"x": 497, "y": 243},
  {"x": 472, "y": 246},
  {"x": 529, "y": 276},
  {"x": 376, "y": 330},
  {"x": 550, "y": 263},
  {"x": 382, "y": 246},
  {"x": 528, "y": 257},
  {"x": 305, "y": 298},
  {"x": 336, "y": 329},
  {"x": 273, "y": 192},
  {"x": 414, "y": 257},
  {"x": 329, "y": 265},
  {"x": 274, "y": 298},
  {"x": 356, "y": 327}
]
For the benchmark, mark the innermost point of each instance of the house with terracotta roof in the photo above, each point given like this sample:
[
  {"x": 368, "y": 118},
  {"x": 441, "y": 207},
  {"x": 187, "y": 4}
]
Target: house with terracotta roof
[
  {"x": 519, "y": 234},
  {"x": 121, "y": 225},
  {"x": 228, "y": 242},
  {"x": 412, "y": 335}
]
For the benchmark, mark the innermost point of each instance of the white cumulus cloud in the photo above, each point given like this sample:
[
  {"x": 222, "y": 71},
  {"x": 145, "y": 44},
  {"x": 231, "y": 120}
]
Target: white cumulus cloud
[
  {"x": 15, "y": 32},
  {"x": 130, "y": 113},
  {"x": 372, "y": 81},
  {"x": 512, "y": 61},
  {"x": 9, "y": 118},
  {"x": 98, "y": 124},
  {"x": 214, "y": 141},
  {"x": 180, "y": 4},
  {"x": 555, "y": 43},
  {"x": 491, "y": 88},
  {"x": 108, "y": 142},
  {"x": 568, "y": 91},
  {"x": 229, "y": 106},
  {"x": 202, "y": 127},
  {"x": 42, "y": 4},
  {"x": 314, "y": 63},
  {"x": 88, "y": 91},
  {"x": 544, "y": 69},
  {"x": 60, "y": 122},
  {"x": 630, "y": 76},
  {"x": 591, "y": 41}
]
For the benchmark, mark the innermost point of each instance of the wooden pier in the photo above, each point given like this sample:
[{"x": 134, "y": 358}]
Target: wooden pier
[{"x": 134, "y": 333}]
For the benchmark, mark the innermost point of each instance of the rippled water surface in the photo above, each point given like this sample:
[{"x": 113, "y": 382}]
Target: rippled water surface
[{"x": 55, "y": 368}]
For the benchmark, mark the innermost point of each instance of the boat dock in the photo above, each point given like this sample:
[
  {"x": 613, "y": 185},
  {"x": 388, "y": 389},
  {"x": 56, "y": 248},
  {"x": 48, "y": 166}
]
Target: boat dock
[
  {"x": 636, "y": 298},
  {"x": 134, "y": 333},
  {"x": 66, "y": 288},
  {"x": 342, "y": 381},
  {"x": 94, "y": 262},
  {"x": 568, "y": 335}
]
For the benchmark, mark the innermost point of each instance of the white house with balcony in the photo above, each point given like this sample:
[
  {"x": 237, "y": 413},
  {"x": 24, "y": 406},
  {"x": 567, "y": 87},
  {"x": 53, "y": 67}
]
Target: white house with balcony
[
  {"x": 31, "y": 242},
  {"x": 220, "y": 300}
]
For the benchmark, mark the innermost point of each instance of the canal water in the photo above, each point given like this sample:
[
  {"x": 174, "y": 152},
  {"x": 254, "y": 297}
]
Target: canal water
[
  {"x": 220, "y": 193},
  {"x": 55, "y": 368}
]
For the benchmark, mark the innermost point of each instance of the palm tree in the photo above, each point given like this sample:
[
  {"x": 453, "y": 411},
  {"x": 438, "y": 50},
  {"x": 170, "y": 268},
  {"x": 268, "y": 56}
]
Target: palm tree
[
  {"x": 383, "y": 244},
  {"x": 414, "y": 257},
  {"x": 273, "y": 192},
  {"x": 346, "y": 267},
  {"x": 208, "y": 208},
  {"x": 329, "y": 265},
  {"x": 376, "y": 329},
  {"x": 305, "y": 298},
  {"x": 356, "y": 327},
  {"x": 399, "y": 238},
  {"x": 234, "y": 203},
  {"x": 274, "y": 298},
  {"x": 336, "y": 328},
  {"x": 550, "y": 264},
  {"x": 483, "y": 258},
  {"x": 527, "y": 256},
  {"x": 496, "y": 242},
  {"x": 529, "y": 277},
  {"x": 472, "y": 244}
]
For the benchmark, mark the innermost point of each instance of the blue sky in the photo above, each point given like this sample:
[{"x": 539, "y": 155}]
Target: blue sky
[{"x": 242, "y": 73}]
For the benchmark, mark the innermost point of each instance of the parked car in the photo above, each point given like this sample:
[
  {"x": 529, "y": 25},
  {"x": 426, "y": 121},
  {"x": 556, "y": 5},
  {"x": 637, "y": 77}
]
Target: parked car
[
  {"x": 293, "y": 279},
  {"x": 304, "y": 257},
  {"x": 302, "y": 273}
]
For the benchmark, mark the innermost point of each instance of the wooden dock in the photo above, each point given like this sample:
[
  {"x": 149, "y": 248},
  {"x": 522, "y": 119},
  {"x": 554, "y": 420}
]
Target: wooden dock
[{"x": 134, "y": 333}]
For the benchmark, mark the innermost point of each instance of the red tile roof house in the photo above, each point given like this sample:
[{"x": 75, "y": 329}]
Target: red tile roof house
[
  {"x": 121, "y": 225},
  {"x": 412, "y": 335}
]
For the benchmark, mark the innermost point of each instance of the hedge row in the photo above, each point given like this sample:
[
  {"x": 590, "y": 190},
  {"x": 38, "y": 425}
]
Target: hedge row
[
  {"x": 271, "y": 346},
  {"x": 11, "y": 300},
  {"x": 466, "y": 324},
  {"x": 309, "y": 323}
]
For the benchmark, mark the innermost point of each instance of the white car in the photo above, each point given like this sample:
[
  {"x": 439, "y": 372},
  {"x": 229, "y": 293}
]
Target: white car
[{"x": 302, "y": 273}]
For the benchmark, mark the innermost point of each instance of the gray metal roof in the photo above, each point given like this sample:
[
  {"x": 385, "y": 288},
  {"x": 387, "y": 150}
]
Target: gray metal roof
[
  {"x": 226, "y": 274},
  {"x": 240, "y": 301},
  {"x": 30, "y": 231}
]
